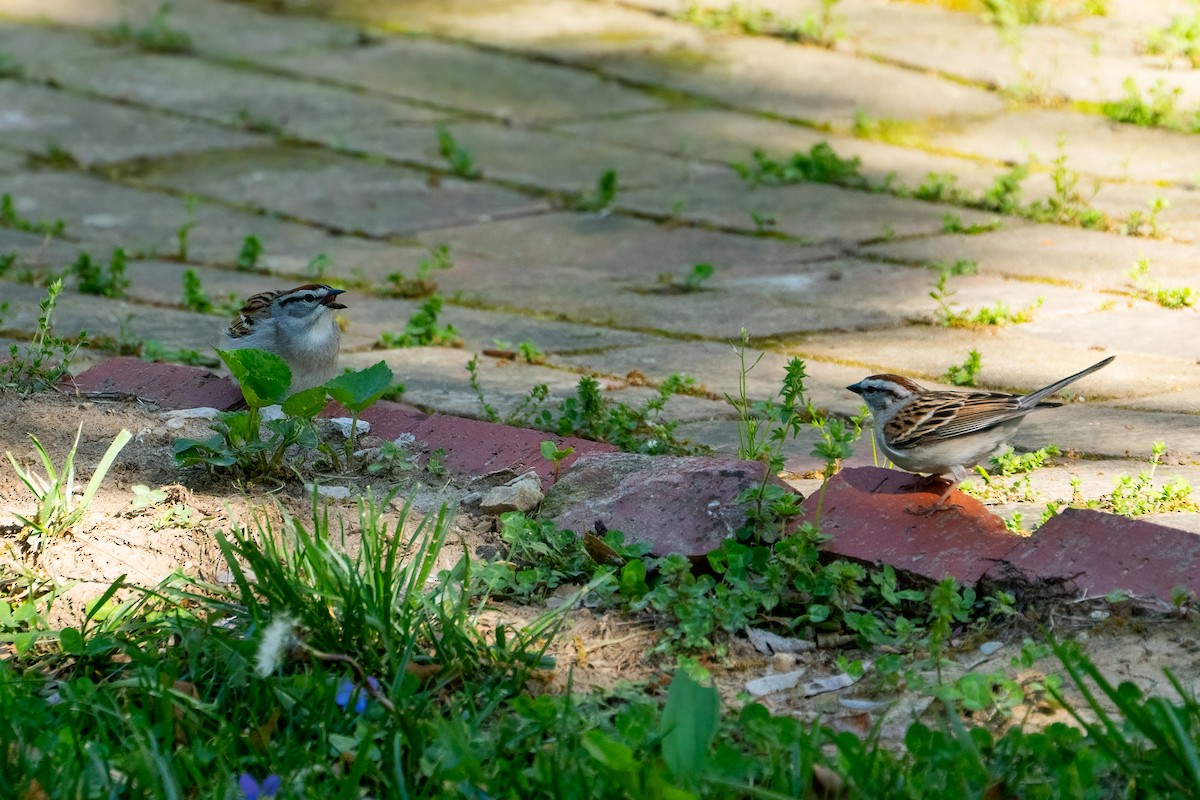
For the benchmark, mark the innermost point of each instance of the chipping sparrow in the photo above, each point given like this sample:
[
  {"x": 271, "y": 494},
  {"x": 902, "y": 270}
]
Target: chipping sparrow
[
  {"x": 297, "y": 325},
  {"x": 947, "y": 432}
]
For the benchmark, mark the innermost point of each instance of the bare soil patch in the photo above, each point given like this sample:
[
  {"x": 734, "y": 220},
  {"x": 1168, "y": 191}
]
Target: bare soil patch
[{"x": 593, "y": 648}]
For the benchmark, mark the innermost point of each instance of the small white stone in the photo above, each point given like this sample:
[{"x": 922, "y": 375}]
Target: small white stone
[
  {"x": 987, "y": 648},
  {"x": 330, "y": 492},
  {"x": 343, "y": 425}
]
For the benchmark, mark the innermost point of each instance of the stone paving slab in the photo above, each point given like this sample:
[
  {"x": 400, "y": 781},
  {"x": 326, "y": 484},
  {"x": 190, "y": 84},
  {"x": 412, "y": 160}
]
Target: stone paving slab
[
  {"x": 796, "y": 82},
  {"x": 240, "y": 97},
  {"x": 480, "y": 329},
  {"x": 34, "y": 118},
  {"x": 570, "y": 30},
  {"x": 1094, "y": 144},
  {"x": 1112, "y": 432},
  {"x": 355, "y": 195},
  {"x": 618, "y": 246},
  {"x": 12, "y": 161},
  {"x": 118, "y": 320},
  {"x": 1012, "y": 359},
  {"x": 812, "y": 211},
  {"x": 1089, "y": 259},
  {"x": 730, "y": 137},
  {"x": 102, "y": 215},
  {"x": 1137, "y": 325},
  {"x": 466, "y": 78},
  {"x": 716, "y": 367},
  {"x": 216, "y": 28},
  {"x": 436, "y": 378},
  {"x": 535, "y": 158}
]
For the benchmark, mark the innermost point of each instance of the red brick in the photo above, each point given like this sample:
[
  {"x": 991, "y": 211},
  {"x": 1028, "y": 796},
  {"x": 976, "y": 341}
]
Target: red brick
[
  {"x": 864, "y": 511},
  {"x": 1100, "y": 553},
  {"x": 476, "y": 447},
  {"x": 165, "y": 385},
  {"x": 388, "y": 419}
]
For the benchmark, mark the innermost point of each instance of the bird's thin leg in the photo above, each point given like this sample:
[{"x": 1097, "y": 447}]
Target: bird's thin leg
[{"x": 939, "y": 505}]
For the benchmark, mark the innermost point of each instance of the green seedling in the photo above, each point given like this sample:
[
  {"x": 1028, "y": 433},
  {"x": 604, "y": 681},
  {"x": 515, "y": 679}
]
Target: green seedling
[
  {"x": 10, "y": 68},
  {"x": 965, "y": 374},
  {"x": 58, "y": 511},
  {"x": 47, "y": 358},
  {"x": 457, "y": 157},
  {"x": 356, "y": 392},
  {"x": 1179, "y": 39},
  {"x": 94, "y": 279},
  {"x": 819, "y": 165},
  {"x": 692, "y": 282},
  {"x": 553, "y": 454},
  {"x": 1167, "y": 297},
  {"x": 1158, "y": 108},
  {"x": 183, "y": 232},
  {"x": 252, "y": 249},
  {"x": 762, "y": 221},
  {"x": 1136, "y": 496},
  {"x": 602, "y": 198},
  {"x": 237, "y": 445},
  {"x": 421, "y": 284},
  {"x": 423, "y": 329},
  {"x": 9, "y": 218},
  {"x": 156, "y": 36}
]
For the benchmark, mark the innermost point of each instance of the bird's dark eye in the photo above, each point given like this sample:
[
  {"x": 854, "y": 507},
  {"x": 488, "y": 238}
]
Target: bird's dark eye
[{"x": 308, "y": 298}]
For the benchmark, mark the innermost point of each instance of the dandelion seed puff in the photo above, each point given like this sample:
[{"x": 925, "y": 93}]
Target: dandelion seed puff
[{"x": 277, "y": 640}]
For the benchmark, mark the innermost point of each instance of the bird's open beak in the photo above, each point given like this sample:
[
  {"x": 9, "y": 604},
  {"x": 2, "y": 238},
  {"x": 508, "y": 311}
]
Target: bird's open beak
[{"x": 330, "y": 300}]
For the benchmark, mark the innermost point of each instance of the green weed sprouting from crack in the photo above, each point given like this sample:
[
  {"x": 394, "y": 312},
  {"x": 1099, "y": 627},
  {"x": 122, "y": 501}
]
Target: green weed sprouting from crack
[
  {"x": 692, "y": 282},
  {"x": 458, "y": 158},
  {"x": 601, "y": 199},
  {"x": 10, "y": 218},
  {"x": 1135, "y": 496},
  {"x": 47, "y": 358},
  {"x": 422, "y": 283},
  {"x": 196, "y": 297},
  {"x": 93, "y": 278},
  {"x": 1010, "y": 477},
  {"x": 1167, "y": 297},
  {"x": 1158, "y": 108},
  {"x": 965, "y": 374},
  {"x": 949, "y": 315},
  {"x": 1179, "y": 39},
  {"x": 588, "y": 414},
  {"x": 252, "y": 250},
  {"x": 821, "y": 27},
  {"x": 821, "y": 164},
  {"x": 423, "y": 329},
  {"x": 156, "y": 36},
  {"x": 1146, "y": 223}
]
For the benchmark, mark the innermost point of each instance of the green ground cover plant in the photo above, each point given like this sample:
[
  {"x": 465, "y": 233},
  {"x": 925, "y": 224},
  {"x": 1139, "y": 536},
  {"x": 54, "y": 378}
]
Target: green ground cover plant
[
  {"x": 247, "y": 448},
  {"x": 1148, "y": 289},
  {"x": 46, "y": 359},
  {"x": 588, "y": 414}
]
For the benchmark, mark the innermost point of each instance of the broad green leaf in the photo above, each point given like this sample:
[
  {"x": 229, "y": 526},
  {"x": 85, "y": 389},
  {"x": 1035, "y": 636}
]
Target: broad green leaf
[
  {"x": 358, "y": 390},
  {"x": 549, "y": 451},
  {"x": 102, "y": 468},
  {"x": 306, "y": 404},
  {"x": 71, "y": 641},
  {"x": 264, "y": 377},
  {"x": 608, "y": 751},
  {"x": 689, "y": 724}
]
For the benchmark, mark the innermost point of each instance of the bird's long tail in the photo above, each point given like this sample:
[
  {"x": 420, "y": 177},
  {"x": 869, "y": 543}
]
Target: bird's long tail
[{"x": 1033, "y": 398}]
